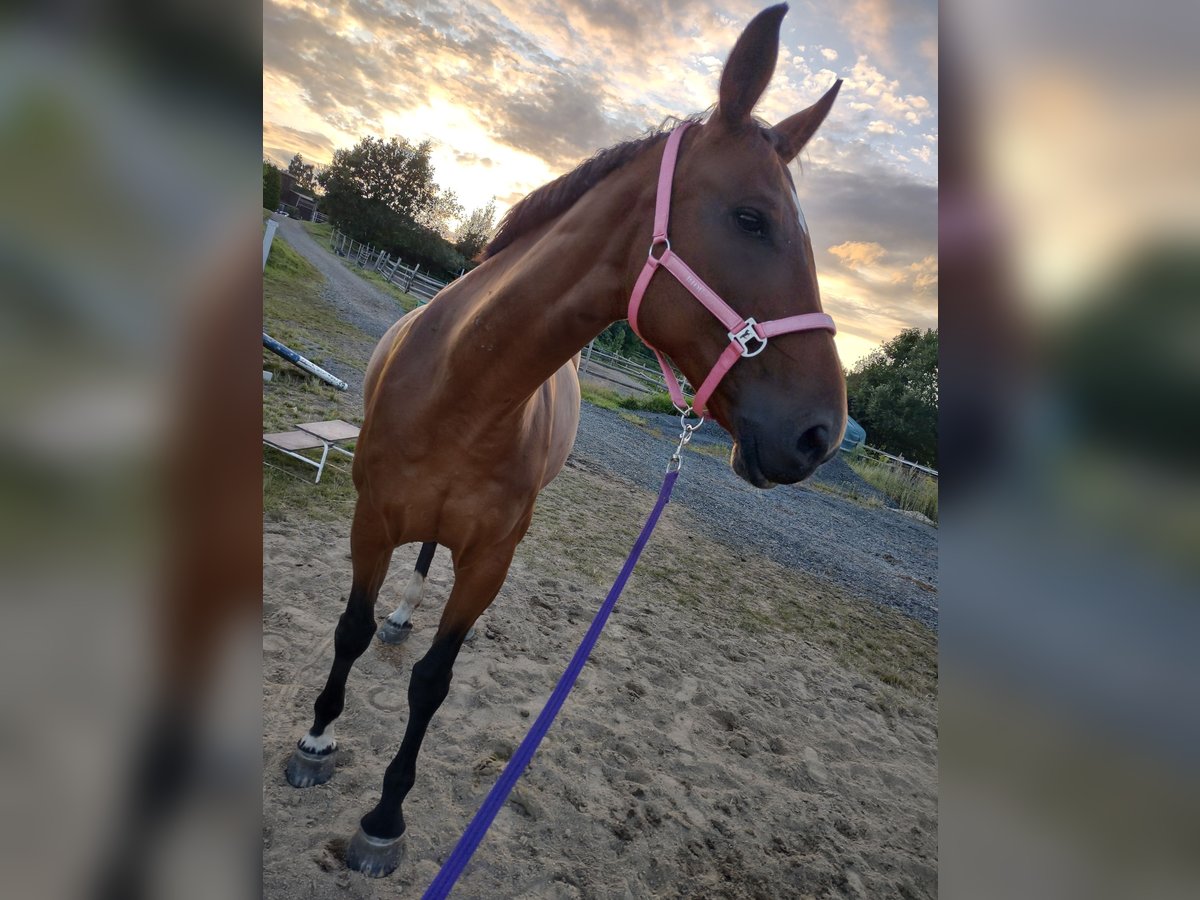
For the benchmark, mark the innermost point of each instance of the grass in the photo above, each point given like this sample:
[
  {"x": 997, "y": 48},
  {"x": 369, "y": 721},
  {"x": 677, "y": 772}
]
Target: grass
[
  {"x": 407, "y": 301},
  {"x": 322, "y": 231},
  {"x": 602, "y": 397},
  {"x": 610, "y": 399},
  {"x": 294, "y": 313},
  {"x": 908, "y": 488},
  {"x": 657, "y": 403}
]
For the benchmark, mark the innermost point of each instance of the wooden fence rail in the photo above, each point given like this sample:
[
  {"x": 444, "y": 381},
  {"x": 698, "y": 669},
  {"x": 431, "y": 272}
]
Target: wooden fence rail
[
  {"x": 393, "y": 270},
  {"x": 643, "y": 377}
]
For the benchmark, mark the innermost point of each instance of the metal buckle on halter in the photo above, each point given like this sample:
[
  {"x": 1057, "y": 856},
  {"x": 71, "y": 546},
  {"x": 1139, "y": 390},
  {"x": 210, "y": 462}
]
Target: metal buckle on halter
[
  {"x": 659, "y": 242},
  {"x": 746, "y": 335}
]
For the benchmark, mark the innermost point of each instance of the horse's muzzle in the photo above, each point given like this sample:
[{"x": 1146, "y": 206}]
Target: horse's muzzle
[{"x": 767, "y": 457}]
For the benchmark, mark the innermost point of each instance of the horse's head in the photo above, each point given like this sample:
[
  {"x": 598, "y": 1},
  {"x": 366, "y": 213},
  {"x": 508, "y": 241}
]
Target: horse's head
[{"x": 736, "y": 221}]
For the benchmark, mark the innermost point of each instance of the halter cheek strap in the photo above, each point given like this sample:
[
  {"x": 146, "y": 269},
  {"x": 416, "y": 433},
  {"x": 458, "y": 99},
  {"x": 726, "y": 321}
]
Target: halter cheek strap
[{"x": 747, "y": 337}]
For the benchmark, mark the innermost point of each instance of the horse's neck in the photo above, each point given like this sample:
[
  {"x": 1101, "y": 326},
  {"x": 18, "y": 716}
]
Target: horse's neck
[{"x": 552, "y": 291}]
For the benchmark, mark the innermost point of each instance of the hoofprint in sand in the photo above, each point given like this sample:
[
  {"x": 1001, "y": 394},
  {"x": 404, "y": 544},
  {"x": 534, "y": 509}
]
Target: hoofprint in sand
[{"x": 708, "y": 750}]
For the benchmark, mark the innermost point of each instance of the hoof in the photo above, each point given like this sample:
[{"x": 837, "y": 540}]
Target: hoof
[
  {"x": 374, "y": 857},
  {"x": 306, "y": 769},
  {"x": 391, "y": 633}
]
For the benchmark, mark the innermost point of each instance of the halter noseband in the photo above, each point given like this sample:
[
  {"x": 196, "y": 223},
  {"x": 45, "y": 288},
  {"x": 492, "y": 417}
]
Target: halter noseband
[{"x": 747, "y": 337}]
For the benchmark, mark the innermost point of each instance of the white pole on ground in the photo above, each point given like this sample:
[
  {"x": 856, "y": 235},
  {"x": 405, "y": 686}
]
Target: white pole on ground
[{"x": 272, "y": 226}]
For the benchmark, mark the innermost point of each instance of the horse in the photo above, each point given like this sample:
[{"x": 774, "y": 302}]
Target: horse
[{"x": 473, "y": 400}]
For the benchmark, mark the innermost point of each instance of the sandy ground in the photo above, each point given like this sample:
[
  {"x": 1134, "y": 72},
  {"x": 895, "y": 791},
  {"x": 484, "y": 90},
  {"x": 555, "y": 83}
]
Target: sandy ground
[
  {"x": 719, "y": 744},
  {"x": 703, "y": 753}
]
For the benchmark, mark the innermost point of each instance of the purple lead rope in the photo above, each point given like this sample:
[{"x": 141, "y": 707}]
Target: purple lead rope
[{"x": 463, "y": 851}]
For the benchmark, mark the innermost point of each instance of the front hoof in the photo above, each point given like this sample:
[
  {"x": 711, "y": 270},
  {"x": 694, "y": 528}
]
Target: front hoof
[
  {"x": 391, "y": 633},
  {"x": 307, "y": 769},
  {"x": 374, "y": 857}
]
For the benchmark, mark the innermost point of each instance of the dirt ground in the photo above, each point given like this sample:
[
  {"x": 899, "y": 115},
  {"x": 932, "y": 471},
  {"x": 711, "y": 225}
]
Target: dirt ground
[{"x": 709, "y": 749}]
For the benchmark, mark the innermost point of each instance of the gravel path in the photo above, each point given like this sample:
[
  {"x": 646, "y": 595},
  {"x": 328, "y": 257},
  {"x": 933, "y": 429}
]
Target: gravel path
[
  {"x": 874, "y": 553},
  {"x": 359, "y": 302}
]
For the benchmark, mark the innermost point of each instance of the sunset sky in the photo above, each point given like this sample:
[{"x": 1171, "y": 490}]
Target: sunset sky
[{"x": 516, "y": 92}]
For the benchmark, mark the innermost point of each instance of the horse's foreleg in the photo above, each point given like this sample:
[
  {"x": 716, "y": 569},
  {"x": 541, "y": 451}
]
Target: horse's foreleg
[
  {"x": 376, "y": 847},
  {"x": 398, "y": 626},
  {"x": 313, "y": 761}
]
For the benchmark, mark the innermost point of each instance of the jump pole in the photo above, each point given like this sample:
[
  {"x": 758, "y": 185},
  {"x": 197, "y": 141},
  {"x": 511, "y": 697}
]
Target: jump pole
[{"x": 307, "y": 365}]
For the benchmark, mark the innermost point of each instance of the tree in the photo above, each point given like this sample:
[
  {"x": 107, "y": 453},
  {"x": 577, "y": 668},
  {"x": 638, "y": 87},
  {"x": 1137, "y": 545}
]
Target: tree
[
  {"x": 303, "y": 173},
  {"x": 393, "y": 175},
  {"x": 383, "y": 193},
  {"x": 271, "y": 186},
  {"x": 475, "y": 229},
  {"x": 436, "y": 215},
  {"x": 893, "y": 394}
]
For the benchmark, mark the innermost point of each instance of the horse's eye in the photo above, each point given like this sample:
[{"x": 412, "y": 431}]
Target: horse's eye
[{"x": 750, "y": 221}]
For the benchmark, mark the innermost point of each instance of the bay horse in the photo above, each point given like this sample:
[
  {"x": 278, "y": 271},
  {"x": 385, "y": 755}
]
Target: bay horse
[{"x": 472, "y": 401}]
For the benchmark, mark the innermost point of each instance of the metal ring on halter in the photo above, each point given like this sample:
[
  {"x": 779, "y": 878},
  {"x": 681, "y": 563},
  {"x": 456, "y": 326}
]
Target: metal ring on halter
[{"x": 659, "y": 242}]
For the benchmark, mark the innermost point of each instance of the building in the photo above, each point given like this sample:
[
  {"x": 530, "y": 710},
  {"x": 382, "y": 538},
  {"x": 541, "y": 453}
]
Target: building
[{"x": 298, "y": 204}]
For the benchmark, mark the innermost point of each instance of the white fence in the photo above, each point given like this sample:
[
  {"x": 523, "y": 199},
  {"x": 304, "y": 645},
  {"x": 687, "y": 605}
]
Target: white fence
[
  {"x": 409, "y": 279},
  {"x": 894, "y": 461},
  {"x": 622, "y": 371}
]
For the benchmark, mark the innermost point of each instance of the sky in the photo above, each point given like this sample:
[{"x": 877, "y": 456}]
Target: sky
[{"x": 516, "y": 92}]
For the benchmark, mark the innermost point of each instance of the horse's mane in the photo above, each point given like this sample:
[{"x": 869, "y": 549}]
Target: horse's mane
[{"x": 553, "y": 199}]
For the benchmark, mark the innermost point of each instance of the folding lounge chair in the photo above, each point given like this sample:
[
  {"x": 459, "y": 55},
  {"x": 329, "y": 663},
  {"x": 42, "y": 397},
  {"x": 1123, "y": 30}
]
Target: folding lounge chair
[{"x": 313, "y": 435}]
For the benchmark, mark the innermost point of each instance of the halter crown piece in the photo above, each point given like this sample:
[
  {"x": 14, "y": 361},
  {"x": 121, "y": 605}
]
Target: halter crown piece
[{"x": 747, "y": 337}]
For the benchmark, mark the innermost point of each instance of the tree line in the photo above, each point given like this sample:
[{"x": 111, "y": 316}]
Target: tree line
[
  {"x": 383, "y": 193},
  {"x": 893, "y": 394}
]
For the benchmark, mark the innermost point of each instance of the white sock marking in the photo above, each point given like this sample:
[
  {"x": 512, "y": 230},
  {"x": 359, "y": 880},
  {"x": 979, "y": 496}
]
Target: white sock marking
[
  {"x": 410, "y": 600},
  {"x": 319, "y": 743}
]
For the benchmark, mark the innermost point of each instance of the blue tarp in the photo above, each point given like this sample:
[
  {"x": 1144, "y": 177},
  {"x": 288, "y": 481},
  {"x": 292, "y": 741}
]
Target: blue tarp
[{"x": 856, "y": 435}]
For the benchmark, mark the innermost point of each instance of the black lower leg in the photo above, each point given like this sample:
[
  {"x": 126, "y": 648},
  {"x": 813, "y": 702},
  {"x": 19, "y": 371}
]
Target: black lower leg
[
  {"x": 425, "y": 558},
  {"x": 427, "y": 689},
  {"x": 350, "y": 640}
]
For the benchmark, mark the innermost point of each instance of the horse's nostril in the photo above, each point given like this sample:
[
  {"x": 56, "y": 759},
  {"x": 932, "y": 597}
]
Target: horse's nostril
[{"x": 814, "y": 442}]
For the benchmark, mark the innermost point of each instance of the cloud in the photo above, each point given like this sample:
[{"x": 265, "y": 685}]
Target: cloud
[
  {"x": 857, "y": 254},
  {"x": 520, "y": 90},
  {"x": 875, "y": 230},
  {"x": 884, "y": 29},
  {"x": 869, "y": 23},
  {"x": 884, "y": 95},
  {"x": 282, "y": 142},
  {"x": 473, "y": 159},
  {"x": 922, "y": 276},
  {"x": 928, "y": 48}
]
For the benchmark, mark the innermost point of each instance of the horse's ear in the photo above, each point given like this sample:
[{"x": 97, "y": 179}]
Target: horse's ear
[
  {"x": 750, "y": 66},
  {"x": 795, "y": 131}
]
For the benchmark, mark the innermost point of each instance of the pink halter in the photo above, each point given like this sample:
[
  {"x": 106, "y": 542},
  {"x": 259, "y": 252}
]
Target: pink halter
[{"x": 747, "y": 337}]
